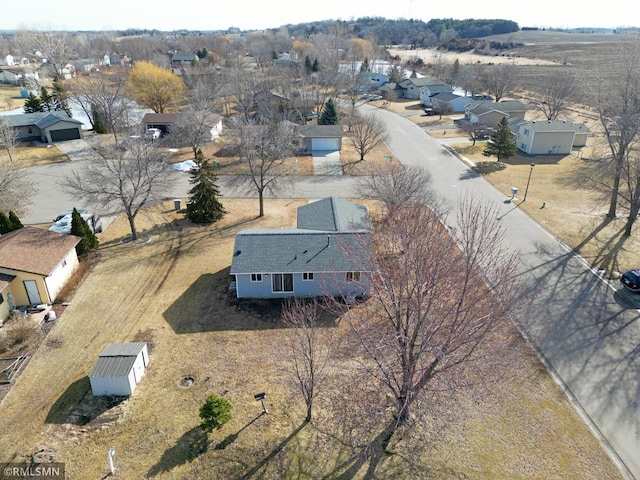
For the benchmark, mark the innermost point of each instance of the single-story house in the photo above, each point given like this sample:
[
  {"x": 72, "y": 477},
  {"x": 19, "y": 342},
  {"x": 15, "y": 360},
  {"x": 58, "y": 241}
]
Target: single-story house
[
  {"x": 490, "y": 113},
  {"x": 368, "y": 81},
  {"x": 449, "y": 102},
  {"x": 320, "y": 137},
  {"x": 548, "y": 137},
  {"x": 317, "y": 258},
  {"x": 45, "y": 127},
  {"x": 183, "y": 59},
  {"x": 119, "y": 369},
  {"x": 391, "y": 91},
  {"x": 18, "y": 75},
  {"x": 34, "y": 266}
]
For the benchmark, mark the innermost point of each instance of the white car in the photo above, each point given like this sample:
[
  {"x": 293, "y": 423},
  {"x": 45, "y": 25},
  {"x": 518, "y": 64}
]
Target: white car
[
  {"x": 153, "y": 133},
  {"x": 63, "y": 224}
]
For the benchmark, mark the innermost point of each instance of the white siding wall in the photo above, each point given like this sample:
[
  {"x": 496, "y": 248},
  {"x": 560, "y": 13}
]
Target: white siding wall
[{"x": 61, "y": 274}]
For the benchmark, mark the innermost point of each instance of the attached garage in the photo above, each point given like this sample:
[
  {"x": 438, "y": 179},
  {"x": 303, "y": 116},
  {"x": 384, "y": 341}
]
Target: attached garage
[
  {"x": 66, "y": 134},
  {"x": 321, "y": 137},
  {"x": 119, "y": 369},
  {"x": 325, "y": 144}
]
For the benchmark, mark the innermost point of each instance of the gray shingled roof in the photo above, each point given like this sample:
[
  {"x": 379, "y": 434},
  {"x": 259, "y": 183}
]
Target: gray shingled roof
[
  {"x": 321, "y": 131},
  {"x": 505, "y": 107},
  {"x": 40, "y": 119},
  {"x": 116, "y": 360},
  {"x": 295, "y": 251},
  {"x": 332, "y": 214}
]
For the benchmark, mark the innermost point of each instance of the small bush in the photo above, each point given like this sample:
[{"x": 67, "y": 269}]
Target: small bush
[{"x": 214, "y": 412}]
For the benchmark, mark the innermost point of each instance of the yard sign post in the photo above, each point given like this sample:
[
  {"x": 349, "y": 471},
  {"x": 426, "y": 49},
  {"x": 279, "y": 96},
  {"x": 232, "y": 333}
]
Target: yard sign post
[{"x": 260, "y": 397}]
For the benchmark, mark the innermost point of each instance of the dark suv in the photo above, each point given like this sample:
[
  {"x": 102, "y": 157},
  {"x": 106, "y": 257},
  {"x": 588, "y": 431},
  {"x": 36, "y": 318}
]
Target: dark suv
[{"x": 631, "y": 280}]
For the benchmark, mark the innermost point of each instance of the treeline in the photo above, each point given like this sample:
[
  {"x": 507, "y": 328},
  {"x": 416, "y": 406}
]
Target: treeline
[
  {"x": 406, "y": 32},
  {"x": 472, "y": 28}
]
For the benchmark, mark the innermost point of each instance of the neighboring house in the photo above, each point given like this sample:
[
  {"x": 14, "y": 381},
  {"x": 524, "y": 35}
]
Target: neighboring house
[
  {"x": 8, "y": 60},
  {"x": 391, "y": 91},
  {"x": 84, "y": 66},
  {"x": 18, "y": 75},
  {"x": 432, "y": 86},
  {"x": 449, "y": 102},
  {"x": 164, "y": 121},
  {"x": 179, "y": 60},
  {"x": 68, "y": 71},
  {"x": 317, "y": 258},
  {"x": 119, "y": 369},
  {"x": 412, "y": 87},
  {"x": 320, "y": 137},
  {"x": 490, "y": 113},
  {"x": 34, "y": 266},
  {"x": 270, "y": 103},
  {"x": 548, "y": 137},
  {"x": 370, "y": 81},
  {"x": 46, "y": 127}
]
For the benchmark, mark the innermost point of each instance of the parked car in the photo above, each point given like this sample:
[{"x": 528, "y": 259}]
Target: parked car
[
  {"x": 310, "y": 115},
  {"x": 373, "y": 98},
  {"x": 428, "y": 111},
  {"x": 365, "y": 96},
  {"x": 631, "y": 280},
  {"x": 152, "y": 133},
  {"x": 63, "y": 224},
  {"x": 67, "y": 213}
]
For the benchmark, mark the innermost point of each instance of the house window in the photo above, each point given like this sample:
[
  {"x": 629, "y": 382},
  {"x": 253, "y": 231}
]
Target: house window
[
  {"x": 64, "y": 263},
  {"x": 526, "y": 131},
  {"x": 307, "y": 276},
  {"x": 282, "y": 282},
  {"x": 256, "y": 277},
  {"x": 353, "y": 276},
  {"x": 523, "y": 146}
]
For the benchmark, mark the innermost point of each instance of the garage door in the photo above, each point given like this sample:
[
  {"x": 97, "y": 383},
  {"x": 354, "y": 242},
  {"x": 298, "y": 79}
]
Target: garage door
[
  {"x": 325, "y": 143},
  {"x": 65, "y": 134}
]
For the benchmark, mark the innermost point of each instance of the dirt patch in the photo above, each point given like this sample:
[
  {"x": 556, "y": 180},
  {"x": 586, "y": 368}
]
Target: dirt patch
[{"x": 433, "y": 55}]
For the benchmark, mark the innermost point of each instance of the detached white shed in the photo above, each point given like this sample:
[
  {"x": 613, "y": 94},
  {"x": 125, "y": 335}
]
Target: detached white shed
[{"x": 119, "y": 369}]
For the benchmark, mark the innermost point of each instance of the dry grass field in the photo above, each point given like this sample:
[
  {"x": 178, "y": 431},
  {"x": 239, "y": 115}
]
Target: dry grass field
[{"x": 170, "y": 290}]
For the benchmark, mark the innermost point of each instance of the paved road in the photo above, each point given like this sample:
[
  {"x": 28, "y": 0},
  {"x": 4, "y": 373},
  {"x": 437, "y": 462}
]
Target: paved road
[{"x": 588, "y": 334}]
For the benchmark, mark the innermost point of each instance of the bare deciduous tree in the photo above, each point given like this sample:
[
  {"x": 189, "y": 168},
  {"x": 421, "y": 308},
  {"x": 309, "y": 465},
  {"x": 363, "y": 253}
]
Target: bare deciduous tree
[
  {"x": 500, "y": 80},
  {"x": 367, "y": 132},
  {"x": 438, "y": 308},
  {"x": 309, "y": 345},
  {"x": 618, "y": 105},
  {"x": 57, "y": 47},
  {"x": 16, "y": 189},
  {"x": 264, "y": 148},
  {"x": 104, "y": 100},
  {"x": 127, "y": 179},
  {"x": 553, "y": 94},
  {"x": 8, "y": 137},
  {"x": 396, "y": 185}
]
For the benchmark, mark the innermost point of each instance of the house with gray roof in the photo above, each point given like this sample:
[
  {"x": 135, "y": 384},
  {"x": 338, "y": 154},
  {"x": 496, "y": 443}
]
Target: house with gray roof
[
  {"x": 449, "y": 102},
  {"x": 45, "y": 127},
  {"x": 119, "y": 369},
  {"x": 320, "y": 137},
  {"x": 317, "y": 258},
  {"x": 413, "y": 87},
  {"x": 490, "y": 113},
  {"x": 548, "y": 137}
]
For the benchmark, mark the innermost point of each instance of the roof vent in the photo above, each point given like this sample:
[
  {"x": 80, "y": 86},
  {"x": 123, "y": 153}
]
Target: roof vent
[{"x": 238, "y": 252}]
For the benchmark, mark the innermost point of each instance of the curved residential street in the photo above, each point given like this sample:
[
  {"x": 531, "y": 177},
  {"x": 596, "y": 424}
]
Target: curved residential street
[{"x": 588, "y": 335}]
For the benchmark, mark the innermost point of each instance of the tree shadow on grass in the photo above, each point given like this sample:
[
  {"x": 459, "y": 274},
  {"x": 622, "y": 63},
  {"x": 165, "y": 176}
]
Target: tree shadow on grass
[
  {"x": 234, "y": 436},
  {"x": 78, "y": 406},
  {"x": 191, "y": 445}
]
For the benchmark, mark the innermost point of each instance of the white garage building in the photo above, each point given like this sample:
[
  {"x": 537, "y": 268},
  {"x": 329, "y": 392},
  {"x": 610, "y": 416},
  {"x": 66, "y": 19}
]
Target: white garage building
[
  {"x": 119, "y": 369},
  {"x": 321, "y": 137}
]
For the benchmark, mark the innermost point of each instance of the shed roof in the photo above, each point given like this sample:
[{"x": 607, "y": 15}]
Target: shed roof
[
  {"x": 160, "y": 117},
  {"x": 117, "y": 359},
  {"x": 35, "y": 250}
]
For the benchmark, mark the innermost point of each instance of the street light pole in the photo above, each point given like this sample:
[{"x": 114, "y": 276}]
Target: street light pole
[{"x": 528, "y": 180}]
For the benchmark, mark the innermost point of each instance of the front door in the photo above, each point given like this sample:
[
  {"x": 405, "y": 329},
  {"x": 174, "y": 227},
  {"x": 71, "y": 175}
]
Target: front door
[{"x": 32, "y": 292}]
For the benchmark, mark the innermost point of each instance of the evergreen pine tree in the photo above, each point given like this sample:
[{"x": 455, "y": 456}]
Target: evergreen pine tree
[
  {"x": 364, "y": 67},
  {"x": 307, "y": 64},
  {"x": 46, "y": 100},
  {"x": 316, "y": 66},
  {"x": 80, "y": 228},
  {"x": 501, "y": 144},
  {"x": 330, "y": 114},
  {"x": 14, "y": 221},
  {"x": 203, "y": 206},
  {"x": 59, "y": 98},
  {"x": 32, "y": 104},
  {"x": 5, "y": 223}
]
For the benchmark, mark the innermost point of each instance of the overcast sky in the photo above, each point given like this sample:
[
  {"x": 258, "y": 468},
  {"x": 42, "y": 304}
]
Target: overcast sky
[{"x": 260, "y": 14}]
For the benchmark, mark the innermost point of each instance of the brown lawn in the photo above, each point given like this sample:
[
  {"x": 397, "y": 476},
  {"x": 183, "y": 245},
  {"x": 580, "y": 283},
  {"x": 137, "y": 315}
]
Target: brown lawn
[{"x": 170, "y": 289}]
